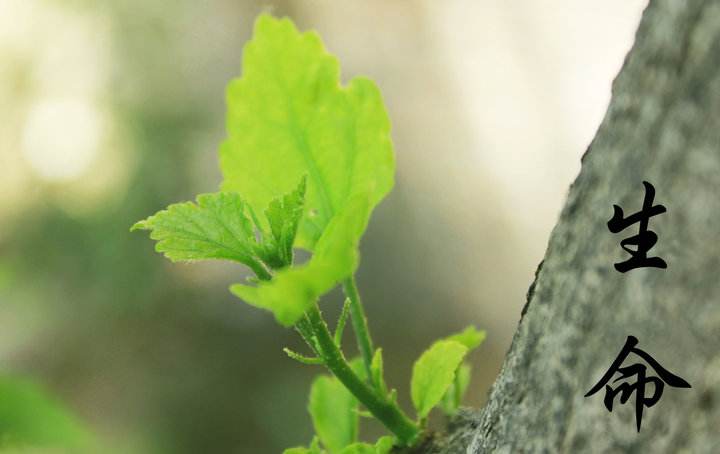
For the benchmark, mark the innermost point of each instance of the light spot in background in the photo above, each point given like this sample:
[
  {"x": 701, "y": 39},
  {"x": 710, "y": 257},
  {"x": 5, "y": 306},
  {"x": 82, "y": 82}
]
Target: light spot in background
[
  {"x": 61, "y": 137},
  {"x": 105, "y": 181},
  {"x": 54, "y": 124}
]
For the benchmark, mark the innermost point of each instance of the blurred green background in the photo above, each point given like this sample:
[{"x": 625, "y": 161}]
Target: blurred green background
[{"x": 111, "y": 110}]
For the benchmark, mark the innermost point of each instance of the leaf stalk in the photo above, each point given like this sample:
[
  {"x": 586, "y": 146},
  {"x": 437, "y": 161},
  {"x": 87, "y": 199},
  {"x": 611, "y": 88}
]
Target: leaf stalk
[{"x": 386, "y": 411}]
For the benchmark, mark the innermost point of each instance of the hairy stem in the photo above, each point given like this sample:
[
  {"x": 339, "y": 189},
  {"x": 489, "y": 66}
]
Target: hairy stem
[
  {"x": 359, "y": 323},
  {"x": 379, "y": 405}
]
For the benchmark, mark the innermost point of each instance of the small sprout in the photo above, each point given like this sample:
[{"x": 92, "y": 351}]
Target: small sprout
[
  {"x": 303, "y": 359},
  {"x": 341, "y": 322},
  {"x": 392, "y": 396},
  {"x": 376, "y": 368},
  {"x": 306, "y": 161},
  {"x": 365, "y": 414}
]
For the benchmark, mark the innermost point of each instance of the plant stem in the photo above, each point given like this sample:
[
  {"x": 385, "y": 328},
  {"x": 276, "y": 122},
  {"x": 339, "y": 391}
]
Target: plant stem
[
  {"x": 259, "y": 269},
  {"x": 359, "y": 323},
  {"x": 379, "y": 405}
]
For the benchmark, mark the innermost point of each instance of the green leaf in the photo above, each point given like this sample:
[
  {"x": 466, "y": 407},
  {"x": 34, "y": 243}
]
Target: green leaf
[
  {"x": 315, "y": 446},
  {"x": 433, "y": 374},
  {"x": 313, "y": 449},
  {"x": 359, "y": 448},
  {"x": 334, "y": 413},
  {"x": 453, "y": 397},
  {"x": 289, "y": 116},
  {"x": 293, "y": 290},
  {"x": 297, "y": 450},
  {"x": 303, "y": 450},
  {"x": 31, "y": 418},
  {"x": 384, "y": 445},
  {"x": 470, "y": 337},
  {"x": 218, "y": 227},
  {"x": 283, "y": 215},
  {"x": 358, "y": 366}
]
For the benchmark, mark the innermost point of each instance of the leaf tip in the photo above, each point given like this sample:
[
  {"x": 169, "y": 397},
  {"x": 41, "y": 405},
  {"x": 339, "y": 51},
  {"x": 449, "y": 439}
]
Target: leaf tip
[{"x": 141, "y": 225}]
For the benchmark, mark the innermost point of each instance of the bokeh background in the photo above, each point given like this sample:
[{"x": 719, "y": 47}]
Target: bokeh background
[{"x": 111, "y": 110}]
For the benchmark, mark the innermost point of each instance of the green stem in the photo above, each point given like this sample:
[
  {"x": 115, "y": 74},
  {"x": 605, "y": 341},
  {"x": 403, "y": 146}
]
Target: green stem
[
  {"x": 380, "y": 406},
  {"x": 359, "y": 323},
  {"x": 260, "y": 271}
]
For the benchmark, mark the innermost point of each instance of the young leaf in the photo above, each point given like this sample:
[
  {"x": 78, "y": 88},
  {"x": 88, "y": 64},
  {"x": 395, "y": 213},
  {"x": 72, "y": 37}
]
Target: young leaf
[
  {"x": 217, "y": 227},
  {"x": 334, "y": 413},
  {"x": 340, "y": 327},
  {"x": 470, "y": 337},
  {"x": 376, "y": 368},
  {"x": 283, "y": 215},
  {"x": 312, "y": 361},
  {"x": 433, "y": 374},
  {"x": 358, "y": 366},
  {"x": 359, "y": 448},
  {"x": 383, "y": 446},
  {"x": 293, "y": 290},
  {"x": 453, "y": 397},
  {"x": 297, "y": 450},
  {"x": 289, "y": 116},
  {"x": 313, "y": 449}
]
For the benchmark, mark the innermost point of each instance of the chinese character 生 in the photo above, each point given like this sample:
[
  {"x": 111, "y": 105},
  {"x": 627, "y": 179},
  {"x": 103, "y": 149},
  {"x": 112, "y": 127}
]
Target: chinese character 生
[{"x": 645, "y": 239}]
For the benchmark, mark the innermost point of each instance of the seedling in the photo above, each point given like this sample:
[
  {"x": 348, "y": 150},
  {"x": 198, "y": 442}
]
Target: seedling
[{"x": 305, "y": 162}]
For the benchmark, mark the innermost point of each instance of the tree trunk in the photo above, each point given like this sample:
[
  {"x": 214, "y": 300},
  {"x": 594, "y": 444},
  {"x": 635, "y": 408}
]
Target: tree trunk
[{"x": 662, "y": 126}]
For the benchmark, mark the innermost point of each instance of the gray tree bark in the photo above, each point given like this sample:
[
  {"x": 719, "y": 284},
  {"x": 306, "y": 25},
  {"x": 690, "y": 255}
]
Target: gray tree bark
[{"x": 662, "y": 126}]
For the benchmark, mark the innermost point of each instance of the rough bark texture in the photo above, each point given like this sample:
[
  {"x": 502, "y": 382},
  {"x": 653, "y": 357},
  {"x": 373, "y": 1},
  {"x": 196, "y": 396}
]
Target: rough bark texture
[{"x": 662, "y": 126}]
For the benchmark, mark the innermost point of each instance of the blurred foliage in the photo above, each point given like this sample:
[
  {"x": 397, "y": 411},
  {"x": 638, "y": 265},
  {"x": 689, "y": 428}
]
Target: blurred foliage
[
  {"x": 156, "y": 359},
  {"x": 29, "y": 418}
]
